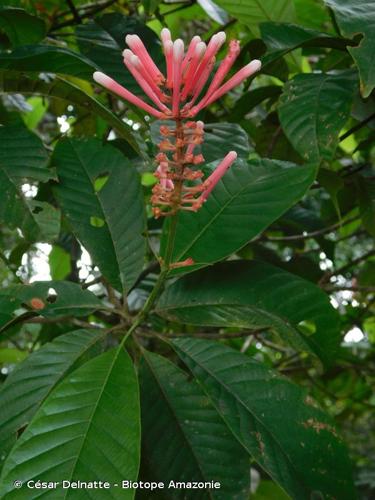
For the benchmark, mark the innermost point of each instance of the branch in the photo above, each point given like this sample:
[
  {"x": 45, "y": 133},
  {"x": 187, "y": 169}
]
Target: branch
[
  {"x": 347, "y": 266},
  {"x": 88, "y": 14},
  {"x": 313, "y": 234},
  {"x": 205, "y": 335},
  {"x": 74, "y": 11},
  {"x": 357, "y": 127},
  {"x": 333, "y": 288}
]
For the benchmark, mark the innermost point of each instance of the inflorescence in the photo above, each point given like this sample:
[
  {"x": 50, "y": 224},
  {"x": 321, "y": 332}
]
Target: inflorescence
[{"x": 180, "y": 96}]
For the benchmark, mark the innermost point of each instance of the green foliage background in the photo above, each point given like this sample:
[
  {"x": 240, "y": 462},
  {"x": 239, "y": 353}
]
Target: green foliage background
[{"x": 227, "y": 369}]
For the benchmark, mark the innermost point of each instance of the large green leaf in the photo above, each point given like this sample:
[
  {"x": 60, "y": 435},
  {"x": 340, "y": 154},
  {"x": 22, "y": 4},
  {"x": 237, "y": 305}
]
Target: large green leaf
[
  {"x": 101, "y": 195},
  {"x": 220, "y": 138},
  {"x": 250, "y": 294},
  {"x": 253, "y": 12},
  {"x": 32, "y": 380},
  {"x": 13, "y": 82},
  {"x": 60, "y": 298},
  {"x": 23, "y": 157},
  {"x": 243, "y": 204},
  {"x": 21, "y": 27},
  {"x": 354, "y": 17},
  {"x": 37, "y": 220},
  {"x": 249, "y": 100},
  {"x": 48, "y": 58},
  {"x": 103, "y": 42},
  {"x": 313, "y": 109},
  {"x": 281, "y": 38},
  {"x": 295, "y": 442},
  {"x": 22, "y": 154},
  {"x": 87, "y": 429},
  {"x": 184, "y": 438}
]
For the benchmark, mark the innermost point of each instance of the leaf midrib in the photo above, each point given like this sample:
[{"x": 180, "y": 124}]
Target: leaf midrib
[
  {"x": 178, "y": 423},
  {"x": 262, "y": 180},
  {"x": 242, "y": 404},
  {"x": 102, "y": 210},
  {"x": 91, "y": 418}
]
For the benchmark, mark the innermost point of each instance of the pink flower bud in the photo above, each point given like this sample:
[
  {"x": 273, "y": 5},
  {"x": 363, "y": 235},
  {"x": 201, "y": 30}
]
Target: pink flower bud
[
  {"x": 218, "y": 173},
  {"x": 118, "y": 89}
]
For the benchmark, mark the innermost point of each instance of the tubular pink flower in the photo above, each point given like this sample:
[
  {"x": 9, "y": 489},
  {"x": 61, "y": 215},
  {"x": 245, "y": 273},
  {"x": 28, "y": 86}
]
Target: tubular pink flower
[
  {"x": 162, "y": 172},
  {"x": 197, "y": 89},
  {"x": 190, "y": 52},
  {"x": 168, "y": 52},
  {"x": 217, "y": 174},
  {"x": 118, "y": 89},
  {"x": 132, "y": 62},
  {"x": 136, "y": 45},
  {"x": 146, "y": 75},
  {"x": 165, "y": 35},
  {"x": 212, "y": 49},
  {"x": 224, "y": 68},
  {"x": 199, "y": 130},
  {"x": 188, "y": 78},
  {"x": 237, "y": 79},
  {"x": 178, "y": 54}
]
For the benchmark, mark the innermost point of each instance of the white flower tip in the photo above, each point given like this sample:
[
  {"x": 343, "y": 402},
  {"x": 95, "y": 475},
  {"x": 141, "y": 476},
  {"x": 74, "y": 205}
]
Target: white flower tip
[
  {"x": 196, "y": 39},
  {"x": 232, "y": 155},
  {"x": 128, "y": 39},
  {"x": 101, "y": 78},
  {"x": 254, "y": 66},
  {"x": 127, "y": 53},
  {"x": 200, "y": 124},
  {"x": 200, "y": 48},
  {"x": 178, "y": 49},
  {"x": 165, "y": 35},
  {"x": 168, "y": 46},
  {"x": 220, "y": 38},
  {"x": 134, "y": 60}
]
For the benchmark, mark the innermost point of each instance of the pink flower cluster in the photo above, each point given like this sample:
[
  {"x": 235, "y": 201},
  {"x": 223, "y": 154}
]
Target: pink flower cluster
[{"x": 179, "y": 95}]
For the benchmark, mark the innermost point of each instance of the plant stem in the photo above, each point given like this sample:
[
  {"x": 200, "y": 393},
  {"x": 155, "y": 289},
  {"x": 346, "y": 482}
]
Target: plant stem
[{"x": 168, "y": 255}]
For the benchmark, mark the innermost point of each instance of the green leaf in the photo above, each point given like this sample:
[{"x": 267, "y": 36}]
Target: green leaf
[
  {"x": 282, "y": 38},
  {"x": 214, "y": 11},
  {"x": 202, "y": 448},
  {"x": 20, "y": 27},
  {"x": 13, "y": 82},
  {"x": 48, "y": 58},
  {"x": 249, "y": 100},
  {"x": 243, "y": 204},
  {"x": 103, "y": 42},
  {"x": 87, "y": 429},
  {"x": 116, "y": 243},
  {"x": 59, "y": 263},
  {"x": 22, "y": 154},
  {"x": 250, "y": 294},
  {"x": 220, "y": 138},
  {"x": 32, "y": 380},
  {"x": 274, "y": 420},
  {"x": 37, "y": 220},
  {"x": 354, "y": 17},
  {"x": 313, "y": 109},
  {"x": 253, "y": 12},
  {"x": 11, "y": 355},
  {"x": 60, "y": 298},
  {"x": 33, "y": 117}
]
